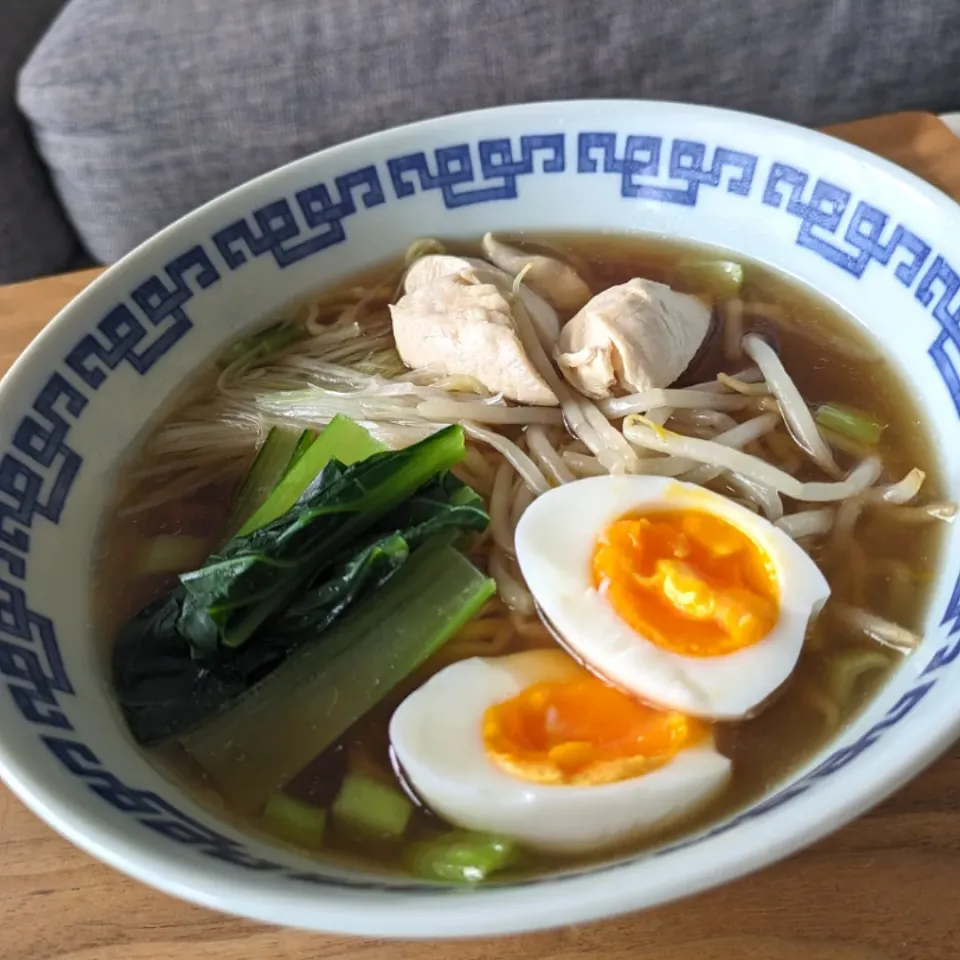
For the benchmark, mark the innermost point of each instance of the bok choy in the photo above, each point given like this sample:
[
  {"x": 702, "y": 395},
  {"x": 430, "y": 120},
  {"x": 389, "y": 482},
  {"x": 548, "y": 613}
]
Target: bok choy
[
  {"x": 319, "y": 692},
  {"x": 230, "y": 623}
]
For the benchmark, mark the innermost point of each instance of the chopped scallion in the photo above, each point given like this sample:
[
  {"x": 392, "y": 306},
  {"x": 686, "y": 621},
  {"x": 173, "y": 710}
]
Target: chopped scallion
[
  {"x": 850, "y": 422},
  {"x": 295, "y": 821},
  {"x": 369, "y": 809},
  {"x": 460, "y": 857},
  {"x": 722, "y": 278}
]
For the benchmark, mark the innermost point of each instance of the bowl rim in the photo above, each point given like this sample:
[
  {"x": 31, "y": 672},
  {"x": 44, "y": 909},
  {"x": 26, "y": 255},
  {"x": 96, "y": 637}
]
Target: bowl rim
[{"x": 491, "y": 911}]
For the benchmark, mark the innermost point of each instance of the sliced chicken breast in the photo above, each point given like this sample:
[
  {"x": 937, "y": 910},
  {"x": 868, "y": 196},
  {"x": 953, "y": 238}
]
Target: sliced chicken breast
[
  {"x": 632, "y": 337},
  {"x": 459, "y": 326}
]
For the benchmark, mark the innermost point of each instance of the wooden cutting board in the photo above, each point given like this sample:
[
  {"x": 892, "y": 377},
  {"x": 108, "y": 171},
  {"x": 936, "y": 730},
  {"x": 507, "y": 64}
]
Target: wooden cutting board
[{"x": 886, "y": 886}]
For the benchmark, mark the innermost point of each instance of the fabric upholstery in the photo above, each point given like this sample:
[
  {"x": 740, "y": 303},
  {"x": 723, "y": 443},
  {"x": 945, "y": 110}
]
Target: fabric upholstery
[
  {"x": 35, "y": 236},
  {"x": 146, "y": 108}
]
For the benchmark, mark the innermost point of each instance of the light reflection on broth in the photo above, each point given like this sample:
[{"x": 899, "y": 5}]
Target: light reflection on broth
[{"x": 884, "y": 566}]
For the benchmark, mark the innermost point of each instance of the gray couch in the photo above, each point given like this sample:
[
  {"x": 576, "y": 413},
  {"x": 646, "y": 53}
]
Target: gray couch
[{"x": 117, "y": 116}]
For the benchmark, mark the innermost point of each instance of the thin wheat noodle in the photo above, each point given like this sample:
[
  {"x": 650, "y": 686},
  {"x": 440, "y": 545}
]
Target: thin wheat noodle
[
  {"x": 822, "y": 703},
  {"x": 544, "y": 453},
  {"x": 843, "y": 674},
  {"x": 709, "y": 451},
  {"x": 483, "y": 629},
  {"x": 492, "y": 641},
  {"x": 183, "y": 487},
  {"x": 478, "y": 463},
  {"x": 531, "y": 628},
  {"x": 479, "y": 483},
  {"x": 796, "y": 415},
  {"x": 157, "y": 475}
]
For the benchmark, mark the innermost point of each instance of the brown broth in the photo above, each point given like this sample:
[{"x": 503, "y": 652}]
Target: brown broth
[{"x": 815, "y": 342}]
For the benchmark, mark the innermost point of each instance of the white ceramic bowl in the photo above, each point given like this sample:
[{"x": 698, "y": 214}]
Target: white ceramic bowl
[{"x": 874, "y": 239}]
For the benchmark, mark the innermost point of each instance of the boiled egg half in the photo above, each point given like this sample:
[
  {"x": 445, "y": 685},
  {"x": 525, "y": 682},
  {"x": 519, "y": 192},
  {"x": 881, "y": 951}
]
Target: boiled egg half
[
  {"x": 533, "y": 747},
  {"x": 670, "y": 591}
]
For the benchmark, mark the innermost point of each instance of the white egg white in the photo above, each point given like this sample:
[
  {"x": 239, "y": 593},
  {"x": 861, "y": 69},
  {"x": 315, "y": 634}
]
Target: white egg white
[
  {"x": 436, "y": 736},
  {"x": 555, "y": 542}
]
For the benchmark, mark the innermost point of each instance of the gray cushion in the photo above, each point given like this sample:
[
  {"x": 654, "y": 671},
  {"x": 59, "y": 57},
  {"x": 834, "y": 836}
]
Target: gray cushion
[
  {"x": 146, "y": 109},
  {"x": 34, "y": 234}
]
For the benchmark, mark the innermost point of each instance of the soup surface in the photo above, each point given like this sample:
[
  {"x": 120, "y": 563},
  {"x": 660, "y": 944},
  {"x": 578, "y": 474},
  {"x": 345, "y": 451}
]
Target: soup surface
[{"x": 522, "y": 752}]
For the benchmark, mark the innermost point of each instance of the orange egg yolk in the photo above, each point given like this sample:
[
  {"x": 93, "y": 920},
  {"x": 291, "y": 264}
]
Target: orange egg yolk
[
  {"x": 688, "y": 581},
  {"x": 583, "y": 731}
]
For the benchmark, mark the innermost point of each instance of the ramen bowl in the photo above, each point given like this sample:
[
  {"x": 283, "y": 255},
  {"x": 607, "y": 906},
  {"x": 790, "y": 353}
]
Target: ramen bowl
[{"x": 873, "y": 239}]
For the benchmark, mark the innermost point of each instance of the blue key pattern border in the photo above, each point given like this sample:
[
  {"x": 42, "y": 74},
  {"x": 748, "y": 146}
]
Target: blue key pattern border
[{"x": 39, "y": 466}]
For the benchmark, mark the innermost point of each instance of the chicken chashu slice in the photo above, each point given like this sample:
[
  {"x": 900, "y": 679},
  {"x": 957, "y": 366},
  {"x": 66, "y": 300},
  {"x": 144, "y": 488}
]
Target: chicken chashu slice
[
  {"x": 428, "y": 269},
  {"x": 632, "y": 337},
  {"x": 458, "y": 326}
]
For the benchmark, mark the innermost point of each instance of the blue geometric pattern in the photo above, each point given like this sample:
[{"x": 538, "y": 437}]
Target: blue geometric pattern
[
  {"x": 823, "y": 213},
  {"x": 275, "y": 229},
  {"x": 453, "y": 167},
  {"x": 639, "y": 167},
  {"x": 39, "y": 466}
]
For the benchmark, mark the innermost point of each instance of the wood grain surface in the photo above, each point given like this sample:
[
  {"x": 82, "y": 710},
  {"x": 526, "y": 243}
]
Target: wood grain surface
[{"x": 886, "y": 886}]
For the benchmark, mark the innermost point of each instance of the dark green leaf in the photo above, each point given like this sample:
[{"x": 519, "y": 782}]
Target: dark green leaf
[{"x": 172, "y": 670}]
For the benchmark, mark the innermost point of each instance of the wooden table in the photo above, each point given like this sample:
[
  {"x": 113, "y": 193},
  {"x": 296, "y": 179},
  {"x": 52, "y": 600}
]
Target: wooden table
[{"x": 886, "y": 886}]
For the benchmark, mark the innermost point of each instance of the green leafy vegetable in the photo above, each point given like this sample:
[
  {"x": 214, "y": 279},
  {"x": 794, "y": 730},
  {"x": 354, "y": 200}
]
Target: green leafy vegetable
[
  {"x": 171, "y": 553},
  {"x": 292, "y": 820},
  {"x": 850, "y": 422},
  {"x": 342, "y": 440},
  {"x": 272, "y": 461},
  {"x": 460, "y": 857},
  {"x": 168, "y": 682},
  {"x": 305, "y": 443},
  {"x": 255, "y": 576},
  {"x": 366, "y": 808},
  {"x": 722, "y": 278},
  {"x": 317, "y": 693}
]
